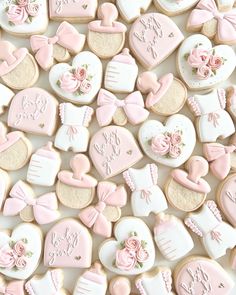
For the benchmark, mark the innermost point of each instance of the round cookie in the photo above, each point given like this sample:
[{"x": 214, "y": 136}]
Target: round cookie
[{"x": 120, "y": 286}]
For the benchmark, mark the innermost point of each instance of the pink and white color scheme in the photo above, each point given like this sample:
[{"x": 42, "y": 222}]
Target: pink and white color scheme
[
  {"x": 4, "y": 186},
  {"x": 6, "y": 96},
  {"x": 111, "y": 197},
  {"x": 68, "y": 244},
  {"x": 132, "y": 105},
  {"x": 120, "y": 286},
  {"x": 146, "y": 195},
  {"x": 217, "y": 235},
  {"x": 12, "y": 287},
  {"x": 174, "y": 7}
]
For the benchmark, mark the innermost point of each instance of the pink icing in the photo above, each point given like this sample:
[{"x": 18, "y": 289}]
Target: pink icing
[
  {"x": 124, "y": 57},
  {"x": 7, "y": 140},
  {"x": 95, "y": 274},
  {"x": 48, "y": 151},
  {"x": 13, "y": 288},
  {"x": 120, "y": 286}
]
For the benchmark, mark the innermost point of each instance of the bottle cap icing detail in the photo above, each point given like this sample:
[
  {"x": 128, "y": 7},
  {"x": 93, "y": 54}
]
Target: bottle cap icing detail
[
  {"x": 120, "y": 286},
  {"x": 48, "y": 151},
  {"x": 124, "y": 57}
]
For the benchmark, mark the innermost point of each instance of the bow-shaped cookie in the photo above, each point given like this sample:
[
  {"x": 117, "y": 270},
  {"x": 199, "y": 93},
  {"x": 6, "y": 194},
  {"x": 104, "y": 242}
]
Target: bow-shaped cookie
[
  {"x": 132, "y": 105},
  {"x": 21, "y": 196},
  {"x": 94, "y": 216},
  {"x": 13, "y": 288}
]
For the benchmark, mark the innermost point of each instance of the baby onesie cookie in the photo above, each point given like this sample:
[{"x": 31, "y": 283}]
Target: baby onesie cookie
[
  {"x": 146, "y": 195},
  {"x": 121, "y": 73},
  {"x": 66, "y": 41},
  {"x": 44, "y": 165},
  {"x": 50, "y": 283},
  {"x": 202, "y": 66},
  {"x": 80, "y": 81},
  {"x": 73, "y": 11},
  {"x": 120, "y": 286},
  {"x": 15, "y": 149},
  {"x": 76, "y": 189},
  {"x": 99, "y": 218},
  {"x": 24, "y": 17},
  {"x": 187, "y": 191},
  {"x": 225, "y": 5},
  {"x": 171, "y": 237},
  {"x": 11, "y": 288},
  {"x": 231, "y": 101},
  {"x": 132, "y": 251},
  {"x": 4, "y": 186},
  {"x": 22, "y": 201},
  {"x": 217, "y": 235},
  {"x": 92, "y": 281},
  {"x": 112, "y": 150},
  {"x": 212, "y": 23},
  {"x": 131, "y": 109},
  {"x": 212, "y": 121},
  {"x": 73, "y": 134},
  {"x": 106, "y": 37},
  {"x": 18, "y": 69},
  {"x": 68, "y": 244},
  {"x": 174, "y": 7},
  {"x": 170, "y": 144},
  {"x": 153, "y": 37},
  {"x": 20, "y": 251},
  {"x": 6, "y": 96},
  {"x": 200, "y": 275},
  {"x": 165, "y": 96}
]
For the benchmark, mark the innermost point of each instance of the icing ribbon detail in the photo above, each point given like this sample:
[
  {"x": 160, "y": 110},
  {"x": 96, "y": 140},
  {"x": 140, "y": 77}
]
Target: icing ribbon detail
[
  {"x": 214, "y": 117},
  {"x": 13, "y": 288}
]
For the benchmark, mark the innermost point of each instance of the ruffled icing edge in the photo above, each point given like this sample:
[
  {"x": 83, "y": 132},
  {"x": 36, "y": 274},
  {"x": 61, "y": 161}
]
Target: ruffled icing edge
[
  {"x": 88, "y": 116},
  {"x": 29, "y": 288},
  {"x": 62, "y": 112},
  {"x": 190, "y": 223},
  {"x": 214, "y": 209},
  {"x": 222, "y": 97},
  {"x": 140, "y": 287},
  {"x": 128, "y": 180},
  {"x": 166, "y": 275},
  {"x": 193, "y": 105},
  {"x": 154, "y": 173}
]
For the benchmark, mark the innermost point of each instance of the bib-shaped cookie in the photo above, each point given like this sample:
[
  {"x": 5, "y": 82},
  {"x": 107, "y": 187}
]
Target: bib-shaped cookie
[{"x": 174, "y": 7}]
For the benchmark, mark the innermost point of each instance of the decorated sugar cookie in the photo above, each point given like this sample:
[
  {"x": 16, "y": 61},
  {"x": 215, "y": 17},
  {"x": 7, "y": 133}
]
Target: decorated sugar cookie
[
  {"x": 146, "y": 195},
  {"x": 112, "y": 150},
  {"x": 22, "y": 201},
  {"x": 120, "y": 286},
  {"x": 202, "y": 66},
  {"x": 207, "y": 18},
  {"x": 4, "y": 186},
  {"x": 15, "y": 287},
  {"x": 233, "y": 259},
  {"x": 18, "y": 69},
  {"x": 132, "y": 250},
  {"x": 20, "y": 251},
  {"x": 153, "y": 37},
  {"x": 131, "y": 109},
  {"x": 92, "y": 281},
  {"x": 231, "y": 101},
  {"x": 165, "y": 96},
  {"x": 68, "y": 244},
  {"x": 44, "y": 165},
  {"x": 174, "y": 7},
  {"x": 171, "y": 236},
  {"x": 15, "y": 149},
  {"x": 121, "y": 73},
  {"x": 73, "y": 134},
  {"x": 76, "y": 189},
  {"x": 80, "y": 81},
  {"x": 187, "y": 191},
  {"x": 6, "y": 96},
  {"x": 99, "y": 218},
  {"x": 217, "y": 235},
  {"x": 225, "y": 5},
  {"x": 106, "y": 37},
  {"x": 24, "y": 17},
  {"x": 200, "y": 275},
  {"x": 170, "y": 144},
  {"x": 66, "y": 41}
]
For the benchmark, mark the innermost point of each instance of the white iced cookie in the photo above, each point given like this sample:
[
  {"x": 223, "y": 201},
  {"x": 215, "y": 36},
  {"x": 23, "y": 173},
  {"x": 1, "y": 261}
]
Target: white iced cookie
[
  {"x": 217, "y": 235},
  {"x": 5, "y": 97},
  {"x": 4, "y": 186},
  {"x": 174, "y": 7},
  {"x": 213, "y": 121},
  {"x": 172, "y": 238},
  {"x": 73, "y": 134},
  {"x": 146, "y": 195}
]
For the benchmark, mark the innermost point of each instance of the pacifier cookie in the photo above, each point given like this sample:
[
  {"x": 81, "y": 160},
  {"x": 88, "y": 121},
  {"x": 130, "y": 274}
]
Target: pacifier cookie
[
  {"x": 6, "y": 96},
  {"x": 174, "y": 7},
  {"x": 120, "y": 286}
]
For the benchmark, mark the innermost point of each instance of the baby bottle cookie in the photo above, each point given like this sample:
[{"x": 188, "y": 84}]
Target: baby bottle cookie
[
  {"x": 18, "y": 69},
  {"x": 76, "y": 189},
  {"x": 15, "y": 287},
  {"x": 106, "y": 37},
  {"x": 6, "y": 96},
  {"x": 165, "y": 96},
  {"x": 187, "y": 191},
  {"x": 4, "y": 185},
  {"x": 120, "y": 286}
]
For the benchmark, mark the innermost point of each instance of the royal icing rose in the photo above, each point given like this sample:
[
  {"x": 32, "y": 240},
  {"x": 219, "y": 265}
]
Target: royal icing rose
[
  {"x": 32, "y": 9},
  {"x": 204, "y": 72},
  {"x": 142, "y": 255},
  {"x": 69, "y": 83},
  {"x": 215, "y": 62},
  {"x": 20, "y": 263},
  {"x": 7, "y": 257},
  {"x": 125, "y": 260},
  {"x": 19, "y": 248},
  {"x": 174, "y": 151},
  {"x": 198, "y": 57},
  {"x": 85, "y": 86},
  {"x": 160, "y": 144},
  {"x": 17, "y": 14},
  {"x": 176, "y": 138},
  {"x": 22, "y": 2},
  {"x": 80, "y": 74},
  {"x": 132, "y": 243}
]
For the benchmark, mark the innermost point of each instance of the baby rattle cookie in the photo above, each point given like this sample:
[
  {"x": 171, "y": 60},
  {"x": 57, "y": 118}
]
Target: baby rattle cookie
[
  {"x": 76, "y": 189},
  {"x": 106, "y": 37},
  {"x": 15, "y": 287},
  {"x": 6, "y": 96},
  {"x": 120, "y": 286},
  {"x": 5, "y": 185},
  {"x": 187, "y": 191},
  {"x": 18, "y": 69},
  {"x": 165, "y": 96},
  {"x": 174, "y": 7}
]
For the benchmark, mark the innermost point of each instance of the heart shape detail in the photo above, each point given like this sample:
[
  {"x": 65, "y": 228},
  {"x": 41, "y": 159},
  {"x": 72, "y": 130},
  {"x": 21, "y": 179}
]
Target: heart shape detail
[
  {"x": 175, "y": 7},
  {"x": 93, "y": 66},
  {"x": 32, "y": 237},
  {"x": 190, "y": 77},
  {"x": 176, "y": 124},
  {"x": 122, "y": 232},
  {"x": 151, "y": 39}
]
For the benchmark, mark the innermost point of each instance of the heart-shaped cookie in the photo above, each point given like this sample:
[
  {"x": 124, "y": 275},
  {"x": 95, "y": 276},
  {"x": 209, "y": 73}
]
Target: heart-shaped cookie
[
  {"x": 20, "y": 253},
  {"x": 202, "y": 66},
  {"x": 170, "y": 144},
  {"x": 79, "y": 82},
  {"x": 131, "y": 236},
  {"x": 153, "y": 37},
  {"x": 174, "y": 7},
  {"x": 112, "y": 150}
]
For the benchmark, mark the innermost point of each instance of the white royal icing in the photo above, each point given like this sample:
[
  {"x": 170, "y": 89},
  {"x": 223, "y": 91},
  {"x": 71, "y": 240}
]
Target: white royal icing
[{"x": 130, "y": 9}]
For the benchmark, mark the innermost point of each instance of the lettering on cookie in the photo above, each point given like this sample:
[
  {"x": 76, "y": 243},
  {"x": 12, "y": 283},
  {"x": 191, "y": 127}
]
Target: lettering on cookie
[{"x": 61, "y": 3}]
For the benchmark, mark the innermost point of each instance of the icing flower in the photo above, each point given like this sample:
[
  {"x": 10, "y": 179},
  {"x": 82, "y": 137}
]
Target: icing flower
[
  {"x": 22, "y": 2},
  {"x": 132, "y": 243},
  {"x": 17, "y": 15},
  {"x": 142, "y": 255},
  {"x": 125, "y": 260},
  {"x": 20, "y": 263},
  {"x": 215, "y": 62},
  {"x": 176, "y": 138},
  {"x": 85, "y": 86},
  {"x": 69, "y": 83},
  {"x": 174, "y": 151},
  {"x": 160, "y": 144},
  {"x": 32, "y": 9},
  {"x": 7, "y": 258},
  {"x": 198, "y": 57},
  {"x": 204, "y": 72},
  {"x": 80, "y": 74},
  {"x": 19, "y": 248}
]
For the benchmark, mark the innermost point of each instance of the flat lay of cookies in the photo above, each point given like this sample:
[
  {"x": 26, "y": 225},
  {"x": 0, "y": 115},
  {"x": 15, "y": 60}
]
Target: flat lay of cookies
[{"x": 117, "y": 147}]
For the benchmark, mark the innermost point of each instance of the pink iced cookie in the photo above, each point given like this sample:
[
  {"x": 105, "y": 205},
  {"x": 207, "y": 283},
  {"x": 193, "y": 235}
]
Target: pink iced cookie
[
  {"x": 120, "y": 286},
  {"x": 6, "y": 96},
  {"x": 12, "y": 288}
]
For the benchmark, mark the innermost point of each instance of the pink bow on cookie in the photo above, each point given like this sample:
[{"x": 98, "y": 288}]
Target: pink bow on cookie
[
  {"x": 13, "y": 288},
  {"x": 207, "y": 10},
  {"x": 109, "y": 195},
  {"x": 44, "y": 207},
  {"x": 132, "y": 105}
]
